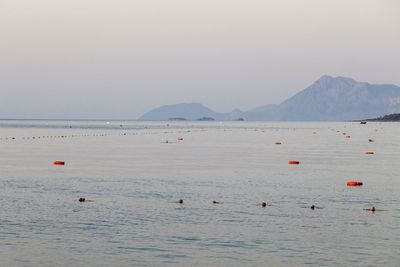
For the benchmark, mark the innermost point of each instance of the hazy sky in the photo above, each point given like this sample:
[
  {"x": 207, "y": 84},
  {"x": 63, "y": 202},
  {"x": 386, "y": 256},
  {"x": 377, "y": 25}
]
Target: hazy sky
[{"x": 121, "y": 58}]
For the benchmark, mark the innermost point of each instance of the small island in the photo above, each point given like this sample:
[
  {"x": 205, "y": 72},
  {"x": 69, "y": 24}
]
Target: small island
[
  {"x": 206, "y": 119},
  {"x": 176, "y": 119}
]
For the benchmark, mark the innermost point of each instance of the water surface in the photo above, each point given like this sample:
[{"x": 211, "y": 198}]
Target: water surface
[{"x": 135, "y": 178}]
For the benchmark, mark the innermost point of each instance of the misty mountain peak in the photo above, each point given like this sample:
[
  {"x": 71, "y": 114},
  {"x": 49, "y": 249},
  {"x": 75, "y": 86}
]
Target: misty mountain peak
[{"x": 327, "y": 82}]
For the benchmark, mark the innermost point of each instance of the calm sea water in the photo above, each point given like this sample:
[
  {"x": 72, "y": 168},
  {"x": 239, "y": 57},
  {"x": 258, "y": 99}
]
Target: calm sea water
[{"x": 135, "y": 179}]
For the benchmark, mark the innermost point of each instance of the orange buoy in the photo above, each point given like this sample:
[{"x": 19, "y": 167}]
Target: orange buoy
[
  {"x": 59, "y": 163},
  {"x": 294, "y": 162},
  {"x": 278, "y": 143},
  {"x": 347, "y": 136},
  {"x": 354, "y": 183},
  {"x": 180, "y": 138},
  {"x": 369, "y": 153}
]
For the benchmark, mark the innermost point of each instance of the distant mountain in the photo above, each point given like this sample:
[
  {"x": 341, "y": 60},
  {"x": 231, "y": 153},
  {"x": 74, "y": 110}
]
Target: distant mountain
[
  {"x": 188, "y": 111},
  {"x": 327, "y": 99},
  {"x": 338, "y": 99},
  {"x": 235, "y": 115},
  {"x": 260, "y": 113}
]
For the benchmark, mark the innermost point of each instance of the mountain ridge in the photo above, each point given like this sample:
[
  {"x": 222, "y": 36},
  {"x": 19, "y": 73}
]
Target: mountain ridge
[{"x": 327, "y": 99}]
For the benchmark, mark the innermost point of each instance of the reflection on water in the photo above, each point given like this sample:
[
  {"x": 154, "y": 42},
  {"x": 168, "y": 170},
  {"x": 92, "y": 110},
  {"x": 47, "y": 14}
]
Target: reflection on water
[{"x": 135, "y": 179}]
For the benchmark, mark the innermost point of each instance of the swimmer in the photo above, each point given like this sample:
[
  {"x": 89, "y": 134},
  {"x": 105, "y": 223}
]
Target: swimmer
[
  {"x": 82, "y": 199},
  {"x": 370, "y": 140},
  {"x": 263, "y": 204},
  {"x": 373, "y": 209},
  {"x": 216, "y": 202},
  {"x": 180, "y": 201},
  {"x": 313, "y": 207}
]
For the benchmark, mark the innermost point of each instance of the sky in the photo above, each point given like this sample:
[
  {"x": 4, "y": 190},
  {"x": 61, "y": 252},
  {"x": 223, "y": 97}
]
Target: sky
[{"x": 103, "y": 59}]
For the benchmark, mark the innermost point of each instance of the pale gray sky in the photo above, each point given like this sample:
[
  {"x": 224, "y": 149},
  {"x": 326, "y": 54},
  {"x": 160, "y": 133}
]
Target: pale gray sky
[{"x": 121, "y": 58}]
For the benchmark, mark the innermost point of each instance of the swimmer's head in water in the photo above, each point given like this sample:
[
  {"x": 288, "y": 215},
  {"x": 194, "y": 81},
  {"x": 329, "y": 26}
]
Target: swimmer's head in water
[
  {"x": 82, "y": 199},
  {"x": 373, "y": 209},
  {"x": 180, "y": 201},
  {"x": 312, "y": 207},
  {"x": 263, "y": 204}
]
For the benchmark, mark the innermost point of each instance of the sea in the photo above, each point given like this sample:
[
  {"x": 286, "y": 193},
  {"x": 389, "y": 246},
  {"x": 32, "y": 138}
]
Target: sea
[{"x": 132, "y": 175}]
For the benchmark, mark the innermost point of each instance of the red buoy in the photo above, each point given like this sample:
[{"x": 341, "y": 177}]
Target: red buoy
[
  {"x": 369, "y": 153},
  {"x": 294, "y": 162},
  {"x": 354, "y": 183},
  {"x": 278, "y": 143},
  {"x": 180, "y": 139},
  {"x": 59, "y": 163}
]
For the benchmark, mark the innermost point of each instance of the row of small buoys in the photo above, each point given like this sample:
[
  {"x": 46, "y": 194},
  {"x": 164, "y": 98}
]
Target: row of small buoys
[
  {"x": 95, "y": 135},
  {"x": 369, "y": 153},
  {"x": 294, "y": 162},
  {"x": 351, "y": 183},
  {"x": 6, "y": 138},
  {"x": 90, "y": 135},
  {"x": 53, "y": 136},
  {"x": 59, "y": 163}
]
